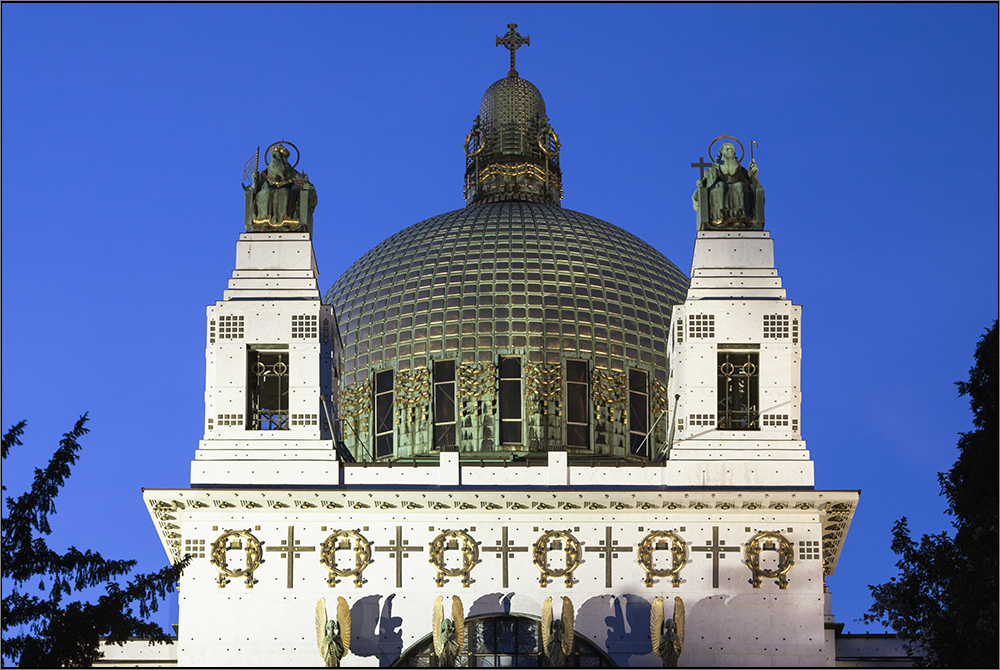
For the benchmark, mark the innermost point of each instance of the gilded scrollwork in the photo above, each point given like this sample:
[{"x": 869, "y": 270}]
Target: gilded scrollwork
[
  {"x": 234, "y": 540},
  {"x": 544, "y": 382},
  {"x": 346, "y": 540},
  {"x": 656, "y": 540},
  {"x": 413, "y": 393},
  {"x": 475, "y": 381},
  {"x": 785, "y": 557},
  {"x": 356, "y": 405},
  {"x": 608, "y": 393},
  {"x": 556, "y": 540},
  {"x": 454, "y": 539}
]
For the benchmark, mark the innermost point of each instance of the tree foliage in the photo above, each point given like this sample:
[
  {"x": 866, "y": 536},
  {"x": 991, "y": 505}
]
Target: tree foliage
[
  {"x": 39, "y": 629},
  {"x": 944, "y": 601}
]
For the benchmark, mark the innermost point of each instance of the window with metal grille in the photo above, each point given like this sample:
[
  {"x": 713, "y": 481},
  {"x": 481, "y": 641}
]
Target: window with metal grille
[
  {"x": 268, "y": 393},
  {"x": 445, "y": 427},
  {"x": 384, "y": 413},
  {"x": 638, "y": 413},
  {"x": 739, "y": 374},
  {"x": 510, "y": 400},
  {"x": 577, "y": 404}
]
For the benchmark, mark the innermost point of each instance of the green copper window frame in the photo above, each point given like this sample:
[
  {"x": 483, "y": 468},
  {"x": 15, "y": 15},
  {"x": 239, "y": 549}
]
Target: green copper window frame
[
  {"x": 638, "y": 413},
  {"x": 383, "y": 409},
  {"x": 445, "y": 428},
  {"x": 577, "y": 403},
  {"x": 510, "y": 373}
]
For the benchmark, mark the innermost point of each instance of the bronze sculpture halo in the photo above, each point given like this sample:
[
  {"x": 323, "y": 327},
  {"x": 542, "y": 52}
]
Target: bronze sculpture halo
[
  {"x": 727, "y": 137},
  {"x": 267, "y": 154}
]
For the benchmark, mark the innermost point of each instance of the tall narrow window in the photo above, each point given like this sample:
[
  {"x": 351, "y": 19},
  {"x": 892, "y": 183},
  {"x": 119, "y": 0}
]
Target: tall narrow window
[
  {"x": 577, "y": 404},
  {"x": 267, "y": 399},
  {"x": 510, "y": 401},
  {"x": 383, "y": 413},
  {"x": 445, "y": 436},
  {"x": 738, "y": 372},
  {"x": 638, "y": 413}
]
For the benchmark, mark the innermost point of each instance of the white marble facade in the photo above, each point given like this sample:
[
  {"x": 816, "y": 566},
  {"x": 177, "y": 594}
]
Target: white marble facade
[{"x": 730, "y": 522}]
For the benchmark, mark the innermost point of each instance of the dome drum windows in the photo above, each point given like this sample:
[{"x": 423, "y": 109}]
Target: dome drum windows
[
  {"x": 638, "y": 413},
  {"x": 384, "y": 407},
  {"x": 511, "y": 401}
]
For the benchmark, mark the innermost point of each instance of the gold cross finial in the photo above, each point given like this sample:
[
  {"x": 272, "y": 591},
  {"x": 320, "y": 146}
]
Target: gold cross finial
[{"x": 513, "y": 41}]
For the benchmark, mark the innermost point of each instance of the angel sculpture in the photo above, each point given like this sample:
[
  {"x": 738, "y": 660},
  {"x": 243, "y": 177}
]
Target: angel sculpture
[
  {"x": 448, "y": 634},
  {"x": 667, "y": 636},
  {"x": 333, "y": 637},
  {"x": 557, "y": 636}
]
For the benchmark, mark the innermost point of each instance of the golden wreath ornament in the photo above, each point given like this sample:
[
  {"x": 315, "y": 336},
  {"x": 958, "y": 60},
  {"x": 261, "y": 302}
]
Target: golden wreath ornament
[
  {"x": 449, "y": 539},
  {"x": 345, "y": 540},
  {"x": 678, "y": 556},
  {"x": 223, "y": 544},
  {"x": 540, "y": 556},
  {"x": 785, "y": 558}
]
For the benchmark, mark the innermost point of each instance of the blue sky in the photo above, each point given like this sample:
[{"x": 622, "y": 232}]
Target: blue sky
[{"x": 125, "y": 130}]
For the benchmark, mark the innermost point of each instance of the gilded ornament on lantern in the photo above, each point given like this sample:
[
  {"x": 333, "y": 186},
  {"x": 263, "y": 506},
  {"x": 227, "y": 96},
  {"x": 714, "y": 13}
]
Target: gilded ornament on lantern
[
  {"x": 345, "y": 540},
  {"x": 785, "y": 557},
  {"x": 233, "y": 540},
  {"x": 658, "y": 540},
  {"x": 449, "y": 540},
  {"x": 556, "y": 540}
]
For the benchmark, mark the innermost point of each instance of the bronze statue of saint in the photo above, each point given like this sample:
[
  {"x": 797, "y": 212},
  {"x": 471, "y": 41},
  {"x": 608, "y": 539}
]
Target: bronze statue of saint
[
  {"x": 731, "y": 189},
  {"x": 274, "y": 200}
]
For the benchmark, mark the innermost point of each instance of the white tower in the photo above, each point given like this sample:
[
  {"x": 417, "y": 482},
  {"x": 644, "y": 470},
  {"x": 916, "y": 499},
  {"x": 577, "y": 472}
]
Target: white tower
[
  {"x": 273, "y": 350},
  {"x": 736, "y": 365}
]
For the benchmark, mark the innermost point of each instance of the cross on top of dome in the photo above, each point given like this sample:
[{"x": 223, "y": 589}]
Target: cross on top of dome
[{"x": 513, "y": 41}]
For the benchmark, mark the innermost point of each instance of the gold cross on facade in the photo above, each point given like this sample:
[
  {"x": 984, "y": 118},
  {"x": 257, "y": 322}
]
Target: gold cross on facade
[
  {"x": 290, "y": 550},
  {"x": 715, "y": 549},
  {"x": 513, "y": 41},
  {"x": 506, "y": 550},
  {"x": 399, "y": 549},
  {"x": 608, "y": 549}
]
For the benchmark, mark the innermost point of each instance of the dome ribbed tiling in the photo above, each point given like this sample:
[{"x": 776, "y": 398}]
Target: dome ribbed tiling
[{"x": 508, "y": 277}]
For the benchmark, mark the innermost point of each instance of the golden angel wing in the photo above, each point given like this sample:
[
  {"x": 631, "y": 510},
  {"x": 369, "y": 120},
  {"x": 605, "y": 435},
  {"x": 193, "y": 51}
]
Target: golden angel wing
[
  {"x": 321, "y": 624},
  {"x": 546, "y": 623},
  {"x": 344, "y": 623},
  {"x": 568, "y": 614},
  {"x": 458, "y": 618},
  {"x": 436, "y": 624},
  {"x": 679, "y": 621},
  {"x": 656, "y": 623}
]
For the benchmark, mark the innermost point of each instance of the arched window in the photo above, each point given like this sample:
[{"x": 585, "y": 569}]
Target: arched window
[{"x": 504, "y": 641}]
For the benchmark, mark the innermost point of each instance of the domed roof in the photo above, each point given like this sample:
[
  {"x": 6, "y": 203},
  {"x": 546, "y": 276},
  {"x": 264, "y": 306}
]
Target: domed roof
[
  {"x": 506, "y": 277},
  {"x": 511, "y": 100},
  {"x": 511, "y": 325}
]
